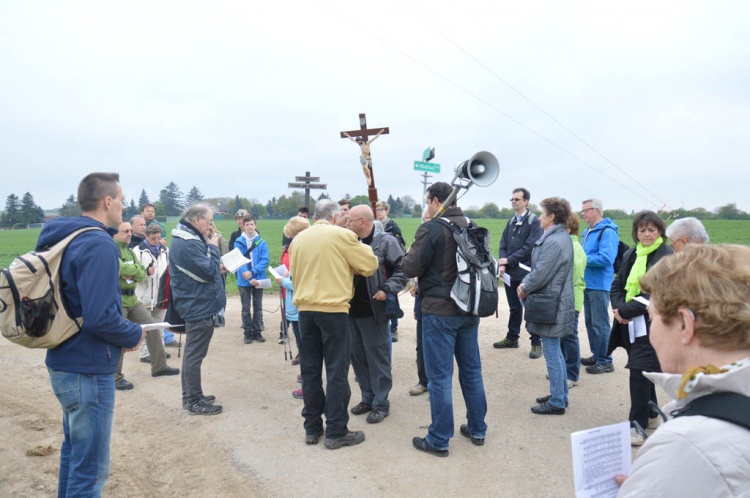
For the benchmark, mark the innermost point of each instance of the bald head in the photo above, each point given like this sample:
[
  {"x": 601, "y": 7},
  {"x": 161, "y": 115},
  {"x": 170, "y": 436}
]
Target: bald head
[{"x": 361, "y": 220}]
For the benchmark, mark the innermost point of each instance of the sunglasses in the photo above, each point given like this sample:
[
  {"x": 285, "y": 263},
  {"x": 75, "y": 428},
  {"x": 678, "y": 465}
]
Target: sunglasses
[{"x": 513, "y": 199}]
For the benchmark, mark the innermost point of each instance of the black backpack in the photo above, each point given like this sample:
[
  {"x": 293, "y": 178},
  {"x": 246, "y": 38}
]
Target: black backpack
[
  {"x": 475, "y": 289},
  {"x": 622, "y": 248}
]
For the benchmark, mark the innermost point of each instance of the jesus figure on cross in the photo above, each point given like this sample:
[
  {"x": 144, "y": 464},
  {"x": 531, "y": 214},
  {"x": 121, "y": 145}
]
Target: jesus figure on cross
[{"x": 365, "y": 159}]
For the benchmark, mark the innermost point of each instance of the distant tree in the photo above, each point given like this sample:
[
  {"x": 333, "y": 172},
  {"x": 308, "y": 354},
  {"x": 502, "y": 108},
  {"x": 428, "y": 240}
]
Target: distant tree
[
  {"x": 490, "y": 210},
  {"x": 30, "y": 212},
  {"x": 130, "y": 211},
  {"x": 616, "y": 214},
  {"x": 270, "y": 207},
  {"x": 70, "y": 207},
  {"x": 171, "y": 199},
  {"x": 12, "y": 214},
  {"x": 324, "y": 195},
  {"x": 159, "y": 209},
  {"x": 506, "y": 213},
  {"x": 730, "y": 212},
  {"x": 193, "y": 196},
  {"x": 286, "y": 207},
  {"x": 416, "y": 211},
  {"x": 258, "y": 210},
  {"x": 397, "y": 208},
  {"x": 360, "y": 199},
  {"x": 408, "y": 201},
  {"x": 238, "y": 203},
  {"x": 700, "y": 213},
  {"x": 143, "y": 200}
]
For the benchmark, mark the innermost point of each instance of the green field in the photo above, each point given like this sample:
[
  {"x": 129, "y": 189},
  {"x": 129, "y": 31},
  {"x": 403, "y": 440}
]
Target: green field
[{"x": 15, "y": 242}]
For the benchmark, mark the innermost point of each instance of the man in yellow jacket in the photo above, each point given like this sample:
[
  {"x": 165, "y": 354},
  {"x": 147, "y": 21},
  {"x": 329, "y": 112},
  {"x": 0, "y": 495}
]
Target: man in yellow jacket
[{"x": 324, "y": 259}]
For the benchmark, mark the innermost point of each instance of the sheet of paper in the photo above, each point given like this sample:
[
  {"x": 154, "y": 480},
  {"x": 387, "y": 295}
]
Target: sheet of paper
[
  {"x": 642, "y": 300},
  {"x": 524, "y": 267},
  {"x": 160, "y": 325},
  {"x": 265, "y": 283},
  {"x": 506, "y": 279},
  {"x": 278, "y": 272},
  {"x": 637, "y": 328},
  {"x": 600, "y": 454},
  {"x": 233, "y": 260}
]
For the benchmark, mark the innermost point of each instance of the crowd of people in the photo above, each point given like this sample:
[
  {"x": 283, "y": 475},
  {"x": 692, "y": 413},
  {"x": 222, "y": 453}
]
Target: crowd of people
[{"x": 683, "y": 319}]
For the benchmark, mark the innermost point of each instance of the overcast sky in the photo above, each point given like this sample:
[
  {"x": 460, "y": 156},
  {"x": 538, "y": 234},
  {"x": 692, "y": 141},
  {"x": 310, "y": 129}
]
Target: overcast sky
[{"x": 238, "y": 98}]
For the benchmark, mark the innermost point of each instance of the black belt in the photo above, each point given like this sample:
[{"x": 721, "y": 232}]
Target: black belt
[{"x": 127, "y": 292}]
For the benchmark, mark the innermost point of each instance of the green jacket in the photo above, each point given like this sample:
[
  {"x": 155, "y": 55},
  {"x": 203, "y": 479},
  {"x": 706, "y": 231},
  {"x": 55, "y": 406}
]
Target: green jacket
[
  {"x": 131, "y": 272},
  {"x": 579, "y": 268}
]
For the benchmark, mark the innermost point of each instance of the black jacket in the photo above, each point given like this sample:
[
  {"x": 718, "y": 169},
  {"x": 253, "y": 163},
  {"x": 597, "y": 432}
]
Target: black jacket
[
  {"x": 517, "y": 242},
  {"x": 432, "y": 258},
  {"x": 641, "y": 355},
  {"x": 392, "y": 228}
]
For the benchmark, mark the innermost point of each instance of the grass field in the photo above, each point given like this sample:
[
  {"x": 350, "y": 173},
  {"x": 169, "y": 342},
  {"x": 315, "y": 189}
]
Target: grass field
[{"x": 15, "y": 242}]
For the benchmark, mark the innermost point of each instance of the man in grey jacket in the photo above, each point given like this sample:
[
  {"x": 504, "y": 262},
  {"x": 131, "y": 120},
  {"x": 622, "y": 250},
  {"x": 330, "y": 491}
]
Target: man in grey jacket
[
  {"x": 199, "y": 298},
  {"x": 371, "y": 358}
]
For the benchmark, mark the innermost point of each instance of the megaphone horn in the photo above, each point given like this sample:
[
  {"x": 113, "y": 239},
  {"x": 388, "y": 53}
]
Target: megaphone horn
[{"x": 481, "y": 169}]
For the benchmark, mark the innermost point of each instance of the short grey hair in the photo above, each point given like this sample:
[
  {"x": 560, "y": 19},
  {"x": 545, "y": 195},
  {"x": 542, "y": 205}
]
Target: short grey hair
[
  {"x": 136, "y": 217},
  {"x": 596, "y": 204},
  {"x": 197, "y": 211},
  {"x": 326, "y": 209},
  {"x": 152, "y": 229},
  {"x": 688, "y": 227}
]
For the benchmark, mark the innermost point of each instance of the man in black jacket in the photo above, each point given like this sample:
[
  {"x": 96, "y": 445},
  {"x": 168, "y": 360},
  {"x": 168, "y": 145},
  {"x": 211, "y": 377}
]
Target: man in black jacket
[
  {"x": 519, "y": 237},
  {"x": 446, "y": 330}
]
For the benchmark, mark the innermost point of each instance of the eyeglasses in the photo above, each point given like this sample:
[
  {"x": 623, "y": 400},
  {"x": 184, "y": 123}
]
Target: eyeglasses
[
  {"x": 352, "y": 220},
  {"x": 674, "y": 242},
  {"x": 513, "y": 199},
  {"x": 584, "y": 211},
  {"x": 129, "y": 230}
]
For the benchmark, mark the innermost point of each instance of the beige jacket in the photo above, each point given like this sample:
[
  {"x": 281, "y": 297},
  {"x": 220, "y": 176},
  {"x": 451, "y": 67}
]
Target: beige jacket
[{"x": 694, "y": 455}]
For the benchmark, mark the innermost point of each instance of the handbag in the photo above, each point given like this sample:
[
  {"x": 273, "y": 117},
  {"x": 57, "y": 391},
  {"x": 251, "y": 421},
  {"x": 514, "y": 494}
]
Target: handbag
[{"x": 541, "y": 308}]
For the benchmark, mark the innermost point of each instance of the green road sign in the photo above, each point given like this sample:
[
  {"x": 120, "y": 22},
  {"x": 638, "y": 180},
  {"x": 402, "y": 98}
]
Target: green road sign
[
  {"x": 425, "y": 166},
  {"x": 428, "y": 154}
]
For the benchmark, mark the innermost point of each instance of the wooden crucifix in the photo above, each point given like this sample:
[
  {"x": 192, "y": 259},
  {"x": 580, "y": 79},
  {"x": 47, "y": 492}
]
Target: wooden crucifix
[
  {"x": 305, "y": 182},
  {"x": 362, "y": 138}
]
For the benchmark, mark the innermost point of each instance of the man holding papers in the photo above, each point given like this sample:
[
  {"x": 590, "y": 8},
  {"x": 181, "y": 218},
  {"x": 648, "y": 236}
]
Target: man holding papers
[{"x": 519, "y": 236}]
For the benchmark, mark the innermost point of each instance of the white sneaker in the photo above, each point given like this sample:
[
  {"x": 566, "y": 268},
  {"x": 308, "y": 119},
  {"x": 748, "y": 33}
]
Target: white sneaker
[
  {"x": 653, "y": 423},
  {"x": 635, "y": 438},
  {"x": 417, "y": 390},
  {"x": 572, "y": 383}
]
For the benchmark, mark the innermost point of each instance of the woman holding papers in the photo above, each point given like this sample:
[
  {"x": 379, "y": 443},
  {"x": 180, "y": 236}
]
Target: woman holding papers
[
  {"x": 700, "y": 329},
  {"x": 631, "y": 324},
  {"x": 549, "y": 301}
]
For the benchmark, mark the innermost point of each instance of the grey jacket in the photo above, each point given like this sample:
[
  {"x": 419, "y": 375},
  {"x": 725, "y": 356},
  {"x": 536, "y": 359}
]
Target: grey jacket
[
  {"x": 552, "y": 273},
  {"x": 389, "y": 276}
]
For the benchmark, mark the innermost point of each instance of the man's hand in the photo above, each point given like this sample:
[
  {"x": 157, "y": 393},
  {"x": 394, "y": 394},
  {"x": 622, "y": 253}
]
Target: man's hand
[
  {"x": 151, "y": 270},
  {"x": 502, "y": 270},
  {"x": 502, "y": 261},
  {"x": 246, "y": 275},
  {"x": 213, "y": 240},
  {"x": 521, "y": 292},
  {"x": 619, "y": 318},
  {"x": 143, "y": 338},
  {"x": 279, "y": 280},
  {"x": 223, "y": 269},
  {"x": 380, "y": 296},
  {"x": 254, "y": 283}
]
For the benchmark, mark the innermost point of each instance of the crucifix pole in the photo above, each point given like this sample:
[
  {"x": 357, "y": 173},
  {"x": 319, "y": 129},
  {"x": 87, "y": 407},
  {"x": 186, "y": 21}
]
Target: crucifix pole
[{"x": 362, "y": 138}]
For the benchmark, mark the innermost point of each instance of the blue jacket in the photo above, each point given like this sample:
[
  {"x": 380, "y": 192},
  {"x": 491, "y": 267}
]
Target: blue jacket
[
  {"x": 195, "y": 275},
  {"x": 258, "y": 257},
  {"x": 89, "y": 285},
  {"x": 292, "y": 313},
  {"x": 600, "y": 256}
]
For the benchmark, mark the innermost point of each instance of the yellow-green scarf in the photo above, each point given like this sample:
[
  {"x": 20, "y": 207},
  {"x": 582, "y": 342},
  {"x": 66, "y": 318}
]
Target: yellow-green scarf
[{"x": 632, "y": 287}]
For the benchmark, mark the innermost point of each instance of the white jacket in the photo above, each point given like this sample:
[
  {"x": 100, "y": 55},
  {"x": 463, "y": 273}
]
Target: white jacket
[
  {"x": 148, "y": 290},
  {"x": 694, "y": 455}
]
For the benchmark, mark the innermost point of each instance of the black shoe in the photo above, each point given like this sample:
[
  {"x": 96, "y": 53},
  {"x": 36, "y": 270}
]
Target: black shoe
[
  {"x": 474, "y": 440},
  {"x": 506, "y": 343},
  {"x": 123, "y": 385},
  {"x": 313, "y": 438},
  {"x": 536, "y": 352},
  {"x": 248, "y": 340},
  {"x": 547, "y": 409},
  {"x": 203, "y": 408},
  {"x": 590, "y": 361},
  {"x": 208, "y": 399},
  {"x": 259, "y": 338},
  {"x": 544, "y": 399},
  {"x": 394, "y": 335},
  {"x": 168, "y": 355},
  {"x": 351, "y": 439},
  {"x": 361, "y": 409},
  {"x": 146, "y": 359},
  {"x": 421, "y": 444},
  {"x": 377, "y": 415},
  {"x": 167, "y": 371},
  {"x": 600, "y": 368}
]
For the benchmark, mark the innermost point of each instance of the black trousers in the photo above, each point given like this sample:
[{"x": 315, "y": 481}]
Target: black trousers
[
  {"x": 642, "y": 391},
  {"x": 516, "y": 314}
]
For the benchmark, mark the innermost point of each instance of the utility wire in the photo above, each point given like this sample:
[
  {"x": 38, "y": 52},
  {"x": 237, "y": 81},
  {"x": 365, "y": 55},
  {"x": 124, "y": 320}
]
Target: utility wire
[{"x": 527, "y": 99}]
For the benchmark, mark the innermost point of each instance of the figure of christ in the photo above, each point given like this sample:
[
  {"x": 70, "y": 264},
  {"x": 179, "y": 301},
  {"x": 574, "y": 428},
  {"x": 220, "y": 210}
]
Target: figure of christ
[{"x": 365, "y": 159}]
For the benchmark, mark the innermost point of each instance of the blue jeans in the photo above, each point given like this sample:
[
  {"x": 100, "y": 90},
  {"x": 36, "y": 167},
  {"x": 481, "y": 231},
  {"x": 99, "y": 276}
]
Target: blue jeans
[
  {"x": 442, "y": 338},
  {"x": 571, "y": 351},
  {"x": 88, "y": 404},
  {"x": 598, "y": 327},
  {"x": 558, "y": 387}
]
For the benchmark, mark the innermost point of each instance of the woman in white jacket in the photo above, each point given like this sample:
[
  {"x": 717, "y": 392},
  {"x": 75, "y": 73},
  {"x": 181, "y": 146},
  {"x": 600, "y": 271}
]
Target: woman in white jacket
[
  {"x": 154, "y": 258},
  {"x": 700, "y": 329}
]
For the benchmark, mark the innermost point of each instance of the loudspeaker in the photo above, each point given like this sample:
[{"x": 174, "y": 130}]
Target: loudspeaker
[{"x": 481, "y": 169}]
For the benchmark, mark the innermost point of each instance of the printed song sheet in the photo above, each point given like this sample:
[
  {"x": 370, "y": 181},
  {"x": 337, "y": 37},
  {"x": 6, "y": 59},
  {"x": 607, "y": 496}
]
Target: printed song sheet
[
  {"x": 233, "y": 260},
  {"x": 598, "y": 455}
]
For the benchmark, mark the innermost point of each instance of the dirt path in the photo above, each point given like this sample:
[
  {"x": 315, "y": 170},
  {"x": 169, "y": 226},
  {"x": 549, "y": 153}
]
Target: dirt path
[{"x": 256, "y": 447}]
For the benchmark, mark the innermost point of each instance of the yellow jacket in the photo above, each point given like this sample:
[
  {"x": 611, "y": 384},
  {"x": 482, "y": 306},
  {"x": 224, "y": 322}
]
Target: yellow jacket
[{"x": 323, "y": 261}]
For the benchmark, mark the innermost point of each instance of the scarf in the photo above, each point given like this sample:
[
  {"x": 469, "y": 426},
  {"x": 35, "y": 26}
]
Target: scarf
[
  {"x": 153, "y": 249},
  {"x": 632, "y": 287},
  {"x": 692, "y": 375}
]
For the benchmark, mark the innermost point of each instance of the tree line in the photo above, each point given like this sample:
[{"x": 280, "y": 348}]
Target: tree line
[{"x": 171, "y": 202}]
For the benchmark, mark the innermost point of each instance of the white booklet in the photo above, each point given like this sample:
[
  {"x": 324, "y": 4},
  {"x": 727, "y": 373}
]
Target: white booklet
[
  {"x": 233, "y": 260},
  {"x": 278, "y": 272},
  {"x": 600, "y": 454},
  {"x": 265, "y": 283},
  {"x": 160, "y": 325}
]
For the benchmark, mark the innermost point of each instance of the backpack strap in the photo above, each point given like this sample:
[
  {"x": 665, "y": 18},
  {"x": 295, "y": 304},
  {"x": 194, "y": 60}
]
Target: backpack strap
[
  {"x": 601, "y": 233},
  {"x": 727, "y": 406}
]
